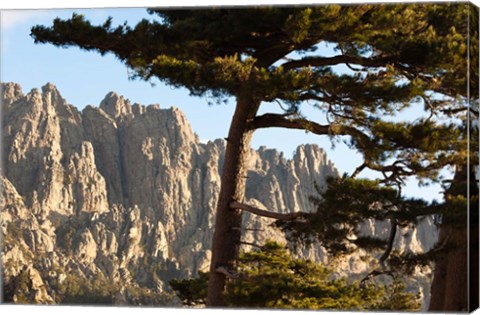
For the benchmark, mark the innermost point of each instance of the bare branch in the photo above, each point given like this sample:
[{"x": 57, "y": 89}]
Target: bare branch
[
  {"x": 267, "y": 214},
  {"x": 373, "y": 274},
  {"x": 391, "y": 238},
  {"x": 359, "y": 169},
  {"x": 388, "y": 250}
]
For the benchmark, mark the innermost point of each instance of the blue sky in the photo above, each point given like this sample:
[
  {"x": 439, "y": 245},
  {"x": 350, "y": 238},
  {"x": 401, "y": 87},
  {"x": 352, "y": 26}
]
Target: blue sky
[{"x": 84, "y": 78}]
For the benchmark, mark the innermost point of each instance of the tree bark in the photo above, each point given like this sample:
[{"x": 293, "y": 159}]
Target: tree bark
[
  {"x": 226, "y": 237},
  {"x": 455, "y": 280},
  {"x": 449, "y": 287}
]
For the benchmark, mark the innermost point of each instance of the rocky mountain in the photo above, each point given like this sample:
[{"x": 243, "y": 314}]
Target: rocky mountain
[{"x": 124, "y": 194}]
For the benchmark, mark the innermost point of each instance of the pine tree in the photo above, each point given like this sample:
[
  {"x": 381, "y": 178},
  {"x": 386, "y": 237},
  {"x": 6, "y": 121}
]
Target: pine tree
[{"x": 392, "y": 57}]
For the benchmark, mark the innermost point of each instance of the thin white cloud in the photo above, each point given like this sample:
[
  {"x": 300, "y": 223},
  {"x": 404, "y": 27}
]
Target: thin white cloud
[{"x": 12, "y": 18}]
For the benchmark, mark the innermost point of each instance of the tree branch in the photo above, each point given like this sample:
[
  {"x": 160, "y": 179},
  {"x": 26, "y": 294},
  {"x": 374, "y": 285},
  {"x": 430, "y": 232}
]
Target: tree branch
[
  {"x": 267, "y": 214},
  {"x": 269, "y": 55},
  {"x": 340, "y": 59},
  {"x": 373, "y": 274},
  {"x": 359, "y": 169},
  {"x": 388, "y": 250},
  {"x": 391, "y": 238},
  {"x": 397, "y": 170},
  {"x": 277, "y": 120}
]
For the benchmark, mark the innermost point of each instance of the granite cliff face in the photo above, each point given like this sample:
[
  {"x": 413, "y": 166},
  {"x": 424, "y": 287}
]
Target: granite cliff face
[{"x": 128, "y": 192}]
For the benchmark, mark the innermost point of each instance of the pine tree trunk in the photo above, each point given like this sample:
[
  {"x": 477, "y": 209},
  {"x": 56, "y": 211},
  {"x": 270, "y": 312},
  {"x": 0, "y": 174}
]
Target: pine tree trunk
[
  {"x": 455, "y": 280},
  {"x": 228, "y": 221},
  {"x": 449, "y": 287}
]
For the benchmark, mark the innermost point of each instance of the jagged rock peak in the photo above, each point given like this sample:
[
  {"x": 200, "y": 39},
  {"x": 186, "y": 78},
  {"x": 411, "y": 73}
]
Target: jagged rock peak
[
  {"x": 52, "y": 96},
  {"x": 10, "y": 93},
  {"x": 312, "y": 154},
  {"x": 309, "y": 149},
  {"x": 117, "y": 107},
  {"x": 49, "y": 87}
]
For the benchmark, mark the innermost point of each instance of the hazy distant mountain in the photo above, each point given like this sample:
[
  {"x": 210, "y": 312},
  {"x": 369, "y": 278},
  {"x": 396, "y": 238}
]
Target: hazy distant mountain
[{"x": 127, "y": 193}]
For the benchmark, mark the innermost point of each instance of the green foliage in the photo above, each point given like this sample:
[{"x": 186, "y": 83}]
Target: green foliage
[
  {"x": 75, "y": 289},
  {"x": 191, "y": 291},
  {"x": 397, "y": 55},
  {"x": 18, "y": 287},
  {"x": 270, "y": 277},
  {"x": 80, "y": 290},
  {"x": 407, "y": 34}
]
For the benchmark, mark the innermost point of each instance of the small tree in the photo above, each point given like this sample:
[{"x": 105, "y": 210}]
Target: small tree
[
  {"x": 393, "y": 57},
  {"x": 269, "y": 277}
]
